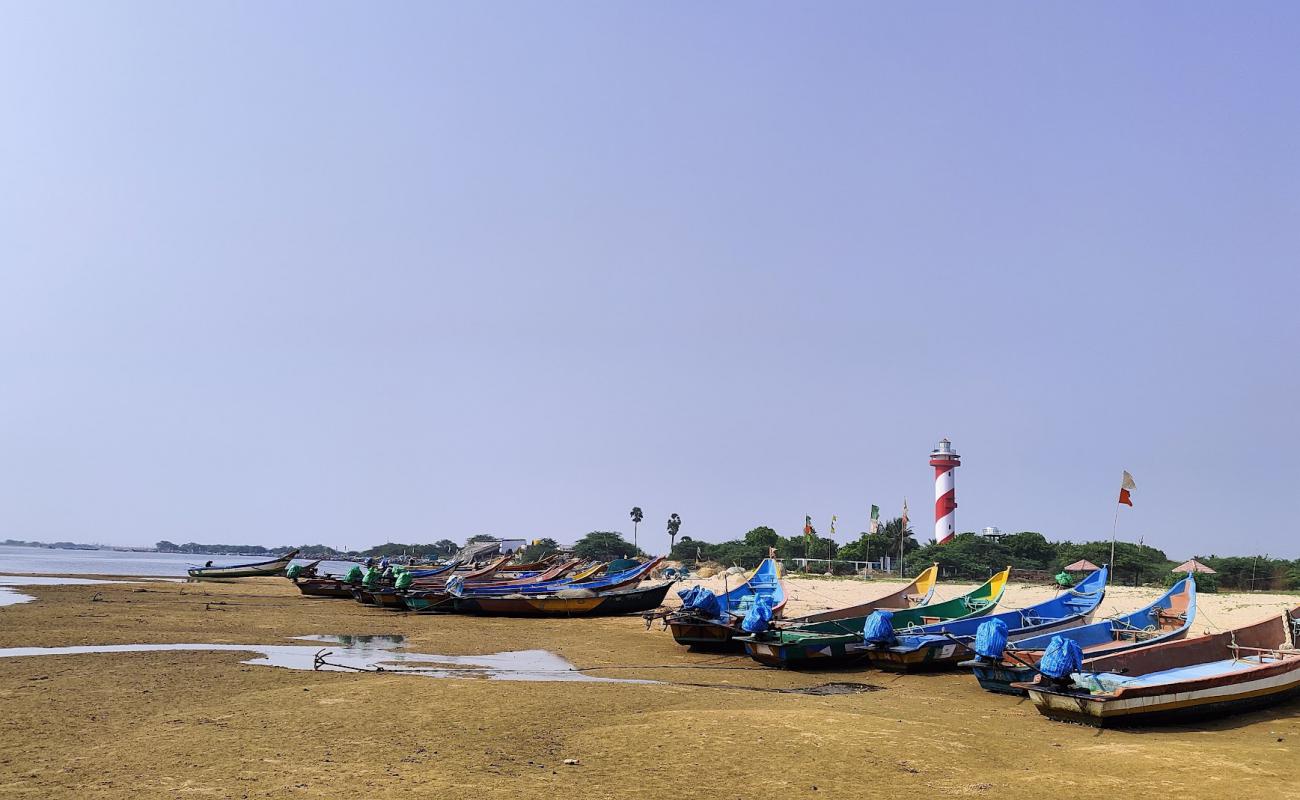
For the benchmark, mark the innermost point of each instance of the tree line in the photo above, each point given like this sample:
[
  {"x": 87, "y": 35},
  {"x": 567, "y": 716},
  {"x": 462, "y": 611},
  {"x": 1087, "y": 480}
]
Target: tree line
[{"x": 967, "y": 555}]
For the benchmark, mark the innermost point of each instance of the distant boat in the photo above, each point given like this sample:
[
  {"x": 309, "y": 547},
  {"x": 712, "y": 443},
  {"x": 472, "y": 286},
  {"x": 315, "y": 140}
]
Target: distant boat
[{"x": 255, "y": 570}]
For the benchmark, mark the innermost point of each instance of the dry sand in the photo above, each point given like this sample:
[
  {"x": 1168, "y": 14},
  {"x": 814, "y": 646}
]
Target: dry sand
[{"x": 189, "y": 724}]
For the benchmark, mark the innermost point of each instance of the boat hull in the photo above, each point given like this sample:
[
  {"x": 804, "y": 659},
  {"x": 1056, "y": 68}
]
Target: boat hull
[
  {"x": 823, "y": 655},
  {"x": 611, "y": 604},
  {"x": 324, "y": 588},
  {"x": 261, "y": 569},
  {"x": 999, "y": 677},
  {"x": 1172, "y": 706},
  {"x": 704, "y": 634}
]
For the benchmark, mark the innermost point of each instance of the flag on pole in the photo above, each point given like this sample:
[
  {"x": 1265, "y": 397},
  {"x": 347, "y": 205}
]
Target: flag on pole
[
  {"x": 1126, "y": 485},
  {"x": 875, "y": 519},
  {"x": 807, "y": 527},
  {"x": 833, "y": 518},
  {"x": 904, "y": 515}
]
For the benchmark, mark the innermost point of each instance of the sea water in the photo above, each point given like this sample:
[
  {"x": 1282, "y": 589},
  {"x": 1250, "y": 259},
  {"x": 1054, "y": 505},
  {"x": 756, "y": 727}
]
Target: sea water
[{"x": 122, "y": 562}]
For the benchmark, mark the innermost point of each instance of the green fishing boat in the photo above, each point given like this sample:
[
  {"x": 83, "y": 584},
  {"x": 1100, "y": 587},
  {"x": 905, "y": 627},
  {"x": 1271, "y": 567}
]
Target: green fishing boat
[{"x": 837, "y": 642}]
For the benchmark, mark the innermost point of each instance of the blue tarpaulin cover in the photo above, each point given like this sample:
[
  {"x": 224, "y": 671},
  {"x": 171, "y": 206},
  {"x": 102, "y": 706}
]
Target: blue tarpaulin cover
[
  {"x": 991, "y": 638},
  {"x": 697, "y": 598},
  {"x": 879, "y": 628},
  {"x": 760, "y": 614},
  {"x": 1062, "y": 657}
]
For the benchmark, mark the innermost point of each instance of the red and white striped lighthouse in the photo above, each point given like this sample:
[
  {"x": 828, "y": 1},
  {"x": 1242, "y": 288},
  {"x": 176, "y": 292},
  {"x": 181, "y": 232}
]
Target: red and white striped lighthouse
[{"x": 944, "y": 461}]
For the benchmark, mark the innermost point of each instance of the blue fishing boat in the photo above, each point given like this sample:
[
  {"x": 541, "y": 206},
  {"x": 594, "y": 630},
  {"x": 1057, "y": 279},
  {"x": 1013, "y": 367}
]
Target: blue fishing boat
[
  {"x": 618, "y": 580},
  {"x": 711, "y": 621},
  {"x": 943, "y": 645},
  {"x": 1243, "y": 669},
  {"x": 1168, "y": 618}
]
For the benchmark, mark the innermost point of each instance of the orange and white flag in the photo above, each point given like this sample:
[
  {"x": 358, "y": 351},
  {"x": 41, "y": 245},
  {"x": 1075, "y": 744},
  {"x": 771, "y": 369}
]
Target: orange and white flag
[{"x": 1125, "y": 487}]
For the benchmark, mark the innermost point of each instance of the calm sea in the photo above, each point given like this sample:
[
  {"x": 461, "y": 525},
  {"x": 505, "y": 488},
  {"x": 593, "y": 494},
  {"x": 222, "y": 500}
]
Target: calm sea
[{"x": 17, "y": 560}]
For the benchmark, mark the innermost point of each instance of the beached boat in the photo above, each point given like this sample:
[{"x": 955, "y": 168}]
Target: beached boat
[
  {"x": 917, "y": 593},
  {"x": 327, "y": 586},
  {"x": 573, "y": 602},
  {"x": 944, "y": 645},
  {"x": 446, "y": 599},
  {"x": 381, "y": 592},
  {"x": 1247, "y": 668},
  {"x": 1168, "y": 618},
  {"x": 256, "y": 569},
  {"x": 839, "y": 642},
  {"x": 715, "y": 626}
]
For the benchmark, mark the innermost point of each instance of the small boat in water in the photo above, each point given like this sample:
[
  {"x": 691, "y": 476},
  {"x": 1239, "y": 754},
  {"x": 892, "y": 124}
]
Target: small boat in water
[
  {"x": 838, "y": 642},
  {"x": 256, "y": 569},
  {"x": 944, "y": 645},
  {"x": 715, "y": 625},
  {"x": 1243, "y": 669},
  {"x": 1166, "y": 619}
]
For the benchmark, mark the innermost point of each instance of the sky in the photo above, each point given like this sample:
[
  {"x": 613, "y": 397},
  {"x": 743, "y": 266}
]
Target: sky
[{"x": 274, "y": 273}]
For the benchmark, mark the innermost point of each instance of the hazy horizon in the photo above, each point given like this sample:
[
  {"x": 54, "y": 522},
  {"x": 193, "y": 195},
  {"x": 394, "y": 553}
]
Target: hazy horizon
[{"x": 354, "y": 274}]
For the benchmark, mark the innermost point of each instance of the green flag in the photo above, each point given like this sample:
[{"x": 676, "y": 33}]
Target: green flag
[{"x": 875, "y": 519}]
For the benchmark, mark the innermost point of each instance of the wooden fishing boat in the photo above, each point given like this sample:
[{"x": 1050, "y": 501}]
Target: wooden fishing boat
[
  {"x": 575, "y": 602},
  {"x": 839, "y": 642},
  {"x": 1239, "y": 670},
  {"x": 369, "y": 594},
  {"x": 328, "y": 586},
  {"x": 944, "y": 645},
  {"x": 917, "y": 593},
  {"x": 1168, "y": 618},
  {"x": 257, "y": 569},
  {"x": 699, "y": 629},
  {"x": 445, "y": 601}
]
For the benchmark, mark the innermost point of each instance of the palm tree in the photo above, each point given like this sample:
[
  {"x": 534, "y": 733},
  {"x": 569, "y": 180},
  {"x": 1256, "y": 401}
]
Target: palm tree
[
  {"x": 674, "y": 525},
  {"x": 636, "y": 520}
]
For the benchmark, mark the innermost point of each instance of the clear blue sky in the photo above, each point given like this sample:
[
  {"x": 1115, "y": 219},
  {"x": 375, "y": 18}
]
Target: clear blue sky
[{"x": 283, "y": 272}]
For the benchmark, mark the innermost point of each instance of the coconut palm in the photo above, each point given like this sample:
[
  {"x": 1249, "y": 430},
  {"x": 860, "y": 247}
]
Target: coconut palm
[{"x": 636, "y": 520}]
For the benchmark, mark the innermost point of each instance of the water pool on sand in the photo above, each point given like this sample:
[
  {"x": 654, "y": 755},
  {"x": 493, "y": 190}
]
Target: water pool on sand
[{"x": 361, "y": 653}]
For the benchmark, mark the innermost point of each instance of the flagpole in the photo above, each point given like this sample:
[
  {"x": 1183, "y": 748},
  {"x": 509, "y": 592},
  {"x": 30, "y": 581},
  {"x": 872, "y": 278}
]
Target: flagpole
[{"x": 1114, "y": 526}]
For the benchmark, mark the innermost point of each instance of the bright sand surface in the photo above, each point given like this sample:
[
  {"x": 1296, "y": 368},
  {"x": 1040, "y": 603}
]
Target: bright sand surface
[{"x": 189, "y": 724}]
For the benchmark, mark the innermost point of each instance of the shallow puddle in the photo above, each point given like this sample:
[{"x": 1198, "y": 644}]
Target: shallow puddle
[
  {"x": 362, "y": 654},
  {"x": 9, "y": 597}
]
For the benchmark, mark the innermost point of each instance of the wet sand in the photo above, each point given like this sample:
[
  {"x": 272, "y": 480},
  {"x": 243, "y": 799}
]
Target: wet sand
[{"x": 201, "y": 724}]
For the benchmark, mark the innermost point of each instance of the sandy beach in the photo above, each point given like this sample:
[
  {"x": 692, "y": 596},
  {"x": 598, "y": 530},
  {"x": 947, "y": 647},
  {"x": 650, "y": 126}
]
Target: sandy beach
[{"x": 204, "y": 724}]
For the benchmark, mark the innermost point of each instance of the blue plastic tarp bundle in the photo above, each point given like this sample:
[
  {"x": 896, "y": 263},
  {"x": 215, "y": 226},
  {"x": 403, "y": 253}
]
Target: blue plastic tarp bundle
[
  {"x": 991, "y": 638},
  {"x": 760, "y": 614},
  {"x": 879, "y": 628},
  {"x": 697, "y": 598},
  {"x": 1063, "y": 656}
]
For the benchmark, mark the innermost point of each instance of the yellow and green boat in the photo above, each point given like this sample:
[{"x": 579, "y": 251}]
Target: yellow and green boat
[{"x": 837, "y": 642}]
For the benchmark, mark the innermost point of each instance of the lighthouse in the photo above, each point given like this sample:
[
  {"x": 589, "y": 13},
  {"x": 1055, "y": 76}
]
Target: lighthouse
[{"x": 944, "y": 460}]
